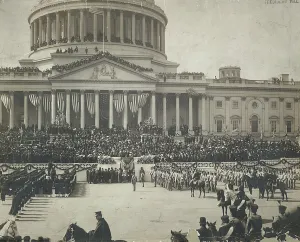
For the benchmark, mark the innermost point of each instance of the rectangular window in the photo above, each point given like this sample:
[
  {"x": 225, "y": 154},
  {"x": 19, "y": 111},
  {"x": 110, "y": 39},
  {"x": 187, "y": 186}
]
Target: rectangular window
[
  {"x": 273, "y": 126},
  {"x": 274, "y": 105},
  {"x": 219, "y": 126},
  {"x": 219, "y": 104},
  {"x": 235, "y": 104},
  {"x": 235, "y": 124},
  {"x": 289, "y": 126},
  {"x": 288, "y": 105}
]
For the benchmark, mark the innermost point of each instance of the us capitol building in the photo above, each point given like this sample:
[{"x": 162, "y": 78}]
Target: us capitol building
[{"x": 103, "y": 63}]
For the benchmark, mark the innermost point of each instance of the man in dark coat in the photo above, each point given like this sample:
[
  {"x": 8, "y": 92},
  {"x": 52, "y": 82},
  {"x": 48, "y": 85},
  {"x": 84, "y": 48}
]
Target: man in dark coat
[
  {"x": 204, "y": 234},
  {"x": 102, "y": 231},
  {"x": 254, "y": 224}
]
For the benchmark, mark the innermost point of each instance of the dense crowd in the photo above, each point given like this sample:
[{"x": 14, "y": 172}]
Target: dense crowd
[
  {"x": 92, "y": 145},
  {"x": 100, "y": 55}
]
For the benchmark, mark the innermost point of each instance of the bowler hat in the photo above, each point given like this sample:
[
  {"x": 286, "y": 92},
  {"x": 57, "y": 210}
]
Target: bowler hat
[{"x": 225, "y": 219}]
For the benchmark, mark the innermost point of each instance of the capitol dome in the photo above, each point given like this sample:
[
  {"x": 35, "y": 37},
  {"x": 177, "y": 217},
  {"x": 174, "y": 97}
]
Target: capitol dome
[{"x": 132, "y": 29}]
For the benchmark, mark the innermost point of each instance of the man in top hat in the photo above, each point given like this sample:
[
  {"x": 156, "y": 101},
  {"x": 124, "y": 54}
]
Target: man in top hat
[
  {"x": 254, "y": 224},
  {"x": 225, "y": 226},
  {"x": 133, "y": 181},
  {"x": 204, "y": 234},
  {"x": 102, "y": 231}
]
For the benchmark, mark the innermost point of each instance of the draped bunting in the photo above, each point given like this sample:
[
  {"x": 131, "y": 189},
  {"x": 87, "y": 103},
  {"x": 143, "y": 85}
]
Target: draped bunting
[
  {"x": 47, "y": 102},
  {"x": 75, "y": 102},
  {"x": 34, "y": 99},
  {"x": 61, "y": 101},
  {"x": 119, "y": 102},
  {"x": 90, "y": 102},
  {"x": 142, "y": 99},
  {"x": 133, "y": 103},
  {"x": 5, "y": 98}
]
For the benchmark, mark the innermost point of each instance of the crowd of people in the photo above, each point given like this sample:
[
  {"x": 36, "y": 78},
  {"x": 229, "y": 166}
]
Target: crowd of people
[
  {"x": 98, "y": 56},
  {"x": 108, "y": 175},
  {"x": 98, "y": 145}
]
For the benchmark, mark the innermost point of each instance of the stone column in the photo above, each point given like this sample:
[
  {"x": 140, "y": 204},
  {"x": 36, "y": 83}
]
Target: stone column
[
  {"x": 81, "y": 27},
  {"x": 68, "y": 106},
  {"x": 53, "y": 106},
  {"x": 57, "y": 36},
  {"x": 153, "y": 107},
  {"x": 108, "y": 21},
  {"x": 12, "y": 110},
  {"x": 144, "y": 30},
  {"x": 97, "y": 111},
  {"x": 191, "y": 113},
  {"x": 204, "y": 128},
  {"x": 244, "y": 118},
  {"x": 140, "y": 111},
  {"x": 133, "y": 28},
  {"x": 111, "y": 108},
  {"x": 34, "y": 32},
  {"x": 211, "y": 114},
  {"x": 25, "y": 109},
  {"x": 40, "y": 110},
  {"x": 266, "y": 113},
  {"x": 31, "y": 35},
  {"x": 227, "y": 113},
  {"x": 163, "y": 33},
  {"x": 40, "y": 30},
  {"x": 161, "y": 37},
  {"x": 165, "y": 111},
  {"x": 82, "y": 110},
  {"x": 125, "y": 114},
  {"x": 199, "y": 111},
  {"x": 69, "y": 26},
  {"x": 48, "y": 29},
  {"x": 157, "y": 35},
  {"x": 122, "y": 26},
  {"x": 282, "y": 127},
  {"x": 296, "y": 118},
  {"x": 177, "y": 112},
  {"x": 152, "y": 32},
  {"x": 95, "y": 27}
]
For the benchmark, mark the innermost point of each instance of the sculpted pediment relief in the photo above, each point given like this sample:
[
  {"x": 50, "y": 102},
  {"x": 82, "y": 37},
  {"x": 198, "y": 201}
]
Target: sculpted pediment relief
[{"x": 104, "y": 70}]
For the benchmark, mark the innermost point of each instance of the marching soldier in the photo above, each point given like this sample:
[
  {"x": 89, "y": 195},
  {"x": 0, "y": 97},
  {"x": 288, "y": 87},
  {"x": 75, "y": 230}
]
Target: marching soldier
[{"x": 133, "y": 181}]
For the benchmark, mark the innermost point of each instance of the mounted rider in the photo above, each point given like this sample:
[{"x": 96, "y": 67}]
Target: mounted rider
[
  {"x": 102, "y": 231},
  {"x": 280, "y": 217},
  {"x": 254, "y": 224}
]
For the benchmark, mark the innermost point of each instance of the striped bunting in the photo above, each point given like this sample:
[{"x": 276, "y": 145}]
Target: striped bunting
[
  {"x": 90, "y": 102},
  {"x": 119, "y": 102},
  {"x": 47, "y": 102},
  {"x": 5, "y": 98}
]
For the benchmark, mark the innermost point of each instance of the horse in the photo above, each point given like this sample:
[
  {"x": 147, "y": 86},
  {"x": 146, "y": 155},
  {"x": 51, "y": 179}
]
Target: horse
[
  {"x": 178, "y": 236},
  {"x": 193, "y": 185},
  {"x": 212, "y": 227},
  {"x": 9, "y": 229},
  {"x": 78, "y": 234},
  {"x": 221, "y": 198},
  {"x": 250, "y": 181},
  {"x": 201, "y": 187}
]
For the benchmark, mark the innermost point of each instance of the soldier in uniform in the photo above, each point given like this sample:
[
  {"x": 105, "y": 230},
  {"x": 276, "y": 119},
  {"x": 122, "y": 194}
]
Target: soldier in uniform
[
  {"x": 282, "y": 214},
  {"x": 254, "y": 224},
  {"x": 133, "y": 181},
  {"x": 204, "y": 234},
  {"x": 102, "y": 231}
]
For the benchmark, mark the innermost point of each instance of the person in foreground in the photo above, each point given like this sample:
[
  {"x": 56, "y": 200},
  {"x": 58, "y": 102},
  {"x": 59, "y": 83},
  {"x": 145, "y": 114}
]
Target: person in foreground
[
  {"x": 204, "y": 234},
  {"x": 102, "y": 230}
]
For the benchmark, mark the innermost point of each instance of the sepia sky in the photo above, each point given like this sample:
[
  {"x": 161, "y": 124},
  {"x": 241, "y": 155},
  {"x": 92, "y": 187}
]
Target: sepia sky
[{"x": 202, "y": 35}]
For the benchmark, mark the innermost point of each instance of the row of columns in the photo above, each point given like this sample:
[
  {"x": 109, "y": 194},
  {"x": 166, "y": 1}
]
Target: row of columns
[{"x": 37, "y": 28}]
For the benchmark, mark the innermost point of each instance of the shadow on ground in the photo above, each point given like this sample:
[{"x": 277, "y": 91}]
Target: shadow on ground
[{"x": 79, "y": 190}]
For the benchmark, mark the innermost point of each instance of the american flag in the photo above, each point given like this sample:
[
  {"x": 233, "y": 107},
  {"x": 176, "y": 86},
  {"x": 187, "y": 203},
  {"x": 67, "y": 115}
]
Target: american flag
[{"x": 104, "y": 105}]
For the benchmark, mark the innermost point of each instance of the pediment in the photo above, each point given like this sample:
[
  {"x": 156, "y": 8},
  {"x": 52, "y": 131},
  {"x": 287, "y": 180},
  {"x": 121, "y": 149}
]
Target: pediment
[{"x": 104, "y": 70}]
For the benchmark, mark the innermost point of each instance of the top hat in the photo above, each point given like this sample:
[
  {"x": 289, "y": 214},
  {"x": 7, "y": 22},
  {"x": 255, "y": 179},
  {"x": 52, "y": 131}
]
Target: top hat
[
  {"x": 98, "y": 213},
  {"x": 202, "y": 220}
]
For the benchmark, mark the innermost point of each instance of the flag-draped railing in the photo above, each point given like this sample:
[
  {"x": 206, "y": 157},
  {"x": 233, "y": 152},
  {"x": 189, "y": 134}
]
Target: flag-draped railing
[
  {"x": 119, "y": 102},
  {"x": 90, "y": 102},
  {"x": 61, "y": 101},
  {"x": 5, "y": 98},
  {"x": 47, "y": 102},
  {"x": 75, "y": 102}
]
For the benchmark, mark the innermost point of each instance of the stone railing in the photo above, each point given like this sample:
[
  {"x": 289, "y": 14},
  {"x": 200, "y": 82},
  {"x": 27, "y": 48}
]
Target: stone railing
[
  {"x": 171, "y": 77},
  {"x": 21, "y": 75},
  {"x": 267, "y": 83}
]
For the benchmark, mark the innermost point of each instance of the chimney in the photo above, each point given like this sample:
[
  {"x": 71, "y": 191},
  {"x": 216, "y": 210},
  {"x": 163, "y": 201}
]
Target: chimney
[{"x": 285, "y": 77}]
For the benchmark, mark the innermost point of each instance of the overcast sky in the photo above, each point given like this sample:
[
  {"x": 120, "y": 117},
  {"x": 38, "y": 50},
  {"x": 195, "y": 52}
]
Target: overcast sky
[{"x": 202, "y": 35}]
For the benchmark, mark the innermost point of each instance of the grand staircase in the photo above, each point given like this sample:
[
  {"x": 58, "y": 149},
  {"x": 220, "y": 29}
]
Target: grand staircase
[{"x": 37, "y": 209}]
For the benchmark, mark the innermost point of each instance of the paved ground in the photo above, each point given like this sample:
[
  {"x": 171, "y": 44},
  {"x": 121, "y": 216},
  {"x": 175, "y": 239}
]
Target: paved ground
[{"x": 145, "y": 215}]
